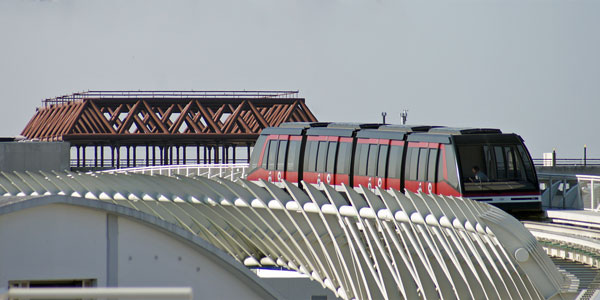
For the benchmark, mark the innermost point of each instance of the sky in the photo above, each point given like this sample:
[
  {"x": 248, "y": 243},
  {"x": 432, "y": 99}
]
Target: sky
[{"x": 530, "y": 67}]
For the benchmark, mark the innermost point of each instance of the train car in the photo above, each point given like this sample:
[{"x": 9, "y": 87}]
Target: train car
[{"x": 479, "y": 163}]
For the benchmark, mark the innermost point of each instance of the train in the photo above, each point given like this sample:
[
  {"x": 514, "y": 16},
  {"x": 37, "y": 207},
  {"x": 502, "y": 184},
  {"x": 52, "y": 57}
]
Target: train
[{"x": 482, "y": 164}]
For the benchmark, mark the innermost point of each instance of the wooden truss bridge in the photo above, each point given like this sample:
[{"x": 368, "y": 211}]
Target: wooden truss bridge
[{"x": 167, "y": 121}]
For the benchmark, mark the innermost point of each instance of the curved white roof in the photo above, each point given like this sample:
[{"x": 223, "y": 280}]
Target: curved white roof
[{"x": 360, "y": 244}]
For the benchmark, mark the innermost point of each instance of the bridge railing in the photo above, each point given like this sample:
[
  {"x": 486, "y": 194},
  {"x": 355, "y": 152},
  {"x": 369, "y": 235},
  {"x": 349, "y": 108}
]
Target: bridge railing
[
  {"x": 549, "y": 162},
  {"x": 228, "y": 171},
  {"x": 565, "y": 191}
]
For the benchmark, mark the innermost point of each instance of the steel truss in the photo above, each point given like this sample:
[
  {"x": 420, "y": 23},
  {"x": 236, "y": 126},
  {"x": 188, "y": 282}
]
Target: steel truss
[{"x": 213, "y": 120}]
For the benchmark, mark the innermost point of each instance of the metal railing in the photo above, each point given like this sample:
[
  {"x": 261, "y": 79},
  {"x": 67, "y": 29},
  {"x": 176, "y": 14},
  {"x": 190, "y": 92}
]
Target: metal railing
[
  {"x": 91, "y": 164},
  {"x": 168, "y": 94},
  {"x": 570, "y": 191},
  {"x": 228, "y": 171},
  {"x": 548, "y": 162}
]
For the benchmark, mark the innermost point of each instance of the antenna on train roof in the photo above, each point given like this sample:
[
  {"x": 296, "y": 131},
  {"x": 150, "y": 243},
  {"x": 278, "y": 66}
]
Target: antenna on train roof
[
  {"x": 403, "y": 116},
  {"x": 383, "y": 114}
]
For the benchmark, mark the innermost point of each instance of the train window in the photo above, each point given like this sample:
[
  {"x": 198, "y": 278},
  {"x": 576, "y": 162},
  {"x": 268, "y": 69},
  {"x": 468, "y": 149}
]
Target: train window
[
  {"x": 344, "y": 158},
  {"x": 293, "y": 155},
  {"x": 281, "y": 155},
  {"x": 265, "y": 159},
  {"x": 433, "y": 157},
  {"x": 510, "y": 161},
  {"x": 360, "y": 164},
  {"x": 395, "y": 164},
  {"x": 476, "y": 156},
  {"x": 422, "y": 170},
  {"x": 273, "y": 147},
  {"x": 307, "y": 148},
  {"x": 407, "y": 163},
  {"x": 412, "y": 163},
  {"x": 500, "y": 163},
  {"x": 382, "y": 164},
  {"x": 372, "y": 160},
  {"x": 331, "y": 157},
  {"x": 258, "y": 147},
  {"x": 322, "y": 156},
  {"x": 311, "y": 166},
  {"x": 525, "y": 160},
  {"x": 498, "y": 168},
  {"x": 451, "y": 167}
]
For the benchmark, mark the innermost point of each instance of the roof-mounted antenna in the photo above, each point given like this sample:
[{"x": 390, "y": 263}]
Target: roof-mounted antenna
[{"x": 403, "y": 116}]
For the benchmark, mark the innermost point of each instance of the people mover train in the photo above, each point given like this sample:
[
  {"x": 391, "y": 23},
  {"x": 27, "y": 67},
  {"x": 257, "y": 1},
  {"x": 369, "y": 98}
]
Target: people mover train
[{"x": 479, "y": 163}]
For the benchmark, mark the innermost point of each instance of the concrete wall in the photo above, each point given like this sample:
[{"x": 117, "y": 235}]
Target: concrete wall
[
  {"x": 60, "y": 241},
  {"x": 45, "y": 156}
]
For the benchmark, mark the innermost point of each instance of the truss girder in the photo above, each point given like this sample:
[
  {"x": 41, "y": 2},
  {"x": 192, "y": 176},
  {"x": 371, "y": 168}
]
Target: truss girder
[
  {"x": 151, "y": 117},
  {"x": 361, "y": 244}
]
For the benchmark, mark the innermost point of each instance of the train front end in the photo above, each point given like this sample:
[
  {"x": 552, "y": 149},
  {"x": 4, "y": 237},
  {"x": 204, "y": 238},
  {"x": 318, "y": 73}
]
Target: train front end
[{"x": 497, "y": 169}]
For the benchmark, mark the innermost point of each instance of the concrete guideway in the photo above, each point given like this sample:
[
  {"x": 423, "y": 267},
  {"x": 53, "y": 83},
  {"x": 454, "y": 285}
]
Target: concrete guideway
[
  {"x": 359, "y": 244},
  {"x": 574, "y": 236}
]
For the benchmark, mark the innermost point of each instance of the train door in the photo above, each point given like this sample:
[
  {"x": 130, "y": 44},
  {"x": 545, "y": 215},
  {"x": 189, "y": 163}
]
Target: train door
[
  {"x": 380, "y": 178},
  {"x": 343, "y": 160},
  {"x": 275, "y": 156},
  {"x": 432, "y": 163},
  {"x": 329, "y": 171},
  {"x": 292, "y": 161},
  {"x": 394, "y": 165},
  {"x": 361, "y": 161},
  {"x": 315, "y": 159},
  {"x": 326, "y": 152},
  {"x": 421, "y": 167},
  {"x": 370, "y": 163}
]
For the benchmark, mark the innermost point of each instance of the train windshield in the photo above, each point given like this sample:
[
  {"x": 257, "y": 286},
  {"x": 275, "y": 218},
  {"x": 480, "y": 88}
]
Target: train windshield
[{"x": 496, "y": 168}]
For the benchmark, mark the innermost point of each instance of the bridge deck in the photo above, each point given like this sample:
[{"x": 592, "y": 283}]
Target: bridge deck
[{"x": 587, "y": 218}]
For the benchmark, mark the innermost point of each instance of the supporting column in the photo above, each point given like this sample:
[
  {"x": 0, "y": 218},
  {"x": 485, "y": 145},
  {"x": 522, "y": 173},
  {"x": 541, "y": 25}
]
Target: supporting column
[
  {"x": 112, "y": 156},
  {"x": 134, "y": 156},
  {"x": 216, "y": 154},
  {"x": 95, "y": 156},
  {"x": 118, "y": 157},
  {"x": 177, "y": 149},
  {"x": 102, "y": 156},
  {"x": 233, "y": 149},
  {"x": 83, "y": 155},
  {"x": 147, "y": 156},
  {"x": 127, "y": 148},
  {"x": 153, "y": 155},
  {"x": 77, "y": 150},
  {"x": 248, "y": 157},
  {"x": 184, "y": 154},
  {"x": 198, "y": 154}
]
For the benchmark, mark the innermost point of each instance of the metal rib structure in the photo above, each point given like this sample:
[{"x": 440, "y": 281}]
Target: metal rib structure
[{"x": 360, "y": 244}]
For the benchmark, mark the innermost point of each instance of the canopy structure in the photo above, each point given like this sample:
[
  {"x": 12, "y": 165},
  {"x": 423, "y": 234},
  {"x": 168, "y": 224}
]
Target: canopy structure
[
  {"x": 361, "y": 244},
  {"x": 169, "y": 120}
]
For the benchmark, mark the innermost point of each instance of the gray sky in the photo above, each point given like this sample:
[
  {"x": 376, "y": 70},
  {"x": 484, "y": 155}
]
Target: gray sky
[{"x": 530, "y": 67}]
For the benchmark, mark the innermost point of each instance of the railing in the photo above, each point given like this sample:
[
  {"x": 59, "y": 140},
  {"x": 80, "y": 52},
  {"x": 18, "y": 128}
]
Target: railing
[
  {"x": 570, "y": 191},
  {"x": 90, "y": 164},
  {"x": 549, "y": 162},
  {"x": 228, "y": 171},
  {"x": 168, "y": 94}
]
